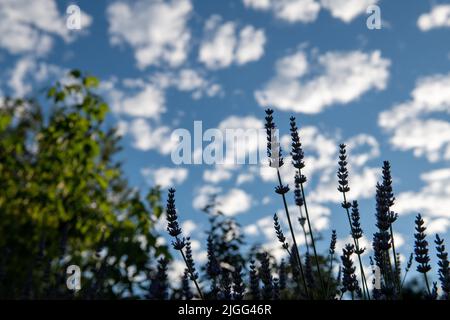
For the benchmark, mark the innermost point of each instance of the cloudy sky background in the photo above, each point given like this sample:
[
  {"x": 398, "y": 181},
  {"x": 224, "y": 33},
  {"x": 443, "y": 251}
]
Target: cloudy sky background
[{"x": 165, "y": 64}]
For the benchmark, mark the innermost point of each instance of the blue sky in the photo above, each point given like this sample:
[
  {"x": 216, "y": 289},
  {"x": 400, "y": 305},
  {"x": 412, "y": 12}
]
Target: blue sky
[{"x": 166, "y": 64}]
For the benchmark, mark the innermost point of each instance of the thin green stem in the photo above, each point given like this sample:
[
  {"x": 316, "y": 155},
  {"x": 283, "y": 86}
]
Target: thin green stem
[
  {"x": 329, "y": 274},
  {"x": 192, "y": 275},
  {"x": 356, "y": 242},
  {"x": 404, "y": 278},
  {"x": 397, "y": 270},
  {"x": 311, "y": 233},
  {"x": 304, "y": 229},
  {"x": 292, "y": 257},
  {"x": 297, "y": 253},
  {"x": 427, "y": 283}
]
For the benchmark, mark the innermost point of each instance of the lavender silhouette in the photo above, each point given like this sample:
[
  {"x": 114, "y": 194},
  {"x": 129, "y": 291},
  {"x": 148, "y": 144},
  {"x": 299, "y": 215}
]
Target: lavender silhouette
[
  {"x": 298, "y": 279},
  {"x": 230, "y": 274}
]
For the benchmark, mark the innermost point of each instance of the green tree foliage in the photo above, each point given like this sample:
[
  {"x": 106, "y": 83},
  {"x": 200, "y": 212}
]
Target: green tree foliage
[{"x": 64, "y": 200}]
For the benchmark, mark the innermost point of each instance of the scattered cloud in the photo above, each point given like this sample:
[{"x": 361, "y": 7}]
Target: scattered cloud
[
  {"x": 410, "y": 125},
  {"x": 246, "y": 138},
  {"x": 148, "y": 103},
  {"x": 438, "y": 17},
  {"x": 146, "y": 97},
  {"x": 362, "y": 178},
  {"x": 321, "y": 154},
  {"x": 291, "y": 11},
  {"x": 243, "y": 138},
  {"x": 28, "y": 72},
  {"x": 31, "y": 26},
  {"x": 439, "y": 225},
  {"x": 251, "y": 230},
  {"x": 251, "y": 45},
  {"x": 144, "y": 100},
  {"x": 344, "y": 77},
  {"x": 188, "y": 80},
  {"x": 347, "y": 10},
  {"x": 223, "y": 45},
  {"x": 148, "y": 137},
  {"x": 307, "y": 11},
  {"x": 245, "y": 177},
  {"x": 156, "y": 30},
  {"x": 433, "y": 200},
  {"x": 219, "y": 174},
  {"x": 188, "y": 226},
  {"x": 233, "y": 202},
  {"x": 362, "y": 186},
  {"x": 364, "y": 243},
  {"x": 165, "y": 177},
  {"x": 264, "y": 227},
  {"x": 203, "y": 195}
]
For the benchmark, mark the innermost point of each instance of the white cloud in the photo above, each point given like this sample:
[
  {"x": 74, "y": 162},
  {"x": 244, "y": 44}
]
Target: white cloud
[
  {"x": 433, "y": 200},
  {"x": 28, "y": 72},
  {"x": 156, "y": 30},
  {"x": 217, "y": 175},
  {"x": 307, "y": 11},
  {"x": 363, "y": 141},
  {"x": 165, "y": 177},
  {"x": 222, "y": 46},
  {"x": 188, "y": 227},
  {"x": 148, "y": 103},
  {"x": 244, "y": 178},
  {"x": 347, "y": 10},
  {"x": 266, "y": 200},
  {"x": 439, "y": 226},
  {"x": 296, "y": 10},
  {"x": 122, "y": 128},
  {"x": 409, "y": 123},
  {"x": 399, "y": 239},
  {"x": 203, "y": 196},
  {"x": 292, "y": 66},
  {"x": 291, "y": 11},
  {"x": 248, "y": 138},
  {"x": 176, "y": 270},
  {"x": 321, "y": 154},
  {"x": 264, "y": 226},
  {"x": 251, "y": 45},
  {"x": 362, "y": 186},
  {"x": 141, "y": 97},
  {"x": 188, "y": 80},
  {"x": 364, "y": 242},
  {"x": 251, "y": 230},
  {"x": 244, "y": 138},
  {"x": 438, "y": 17},
  {"x": 147, "y": 137},
  {"x": 319, "y": 216},
  {"x": 258, "y": 4},
  {"x": 218, "y": 50},
  {"x": 234, "y": 201},
  {"x": 344, "y": 77},
  {"x": 29, "y": 26},
  {"x": 362, "y": 179},
  {"x": 18, "y": 74}
]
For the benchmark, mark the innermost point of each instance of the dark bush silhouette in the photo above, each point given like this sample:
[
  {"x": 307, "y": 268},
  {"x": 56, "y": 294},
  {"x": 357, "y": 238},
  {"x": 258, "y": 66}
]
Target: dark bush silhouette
[{"x": 65, "y": 200}]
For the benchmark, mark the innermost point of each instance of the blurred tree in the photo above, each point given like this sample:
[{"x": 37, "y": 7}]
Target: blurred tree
[{"x": 64, "y": 200}]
